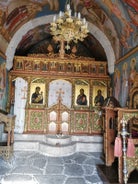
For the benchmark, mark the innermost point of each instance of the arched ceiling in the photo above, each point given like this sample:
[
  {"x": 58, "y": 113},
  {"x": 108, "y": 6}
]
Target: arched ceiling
[
  {"x": 117, "y": 20},
  {"x": 39, "y": 42}
]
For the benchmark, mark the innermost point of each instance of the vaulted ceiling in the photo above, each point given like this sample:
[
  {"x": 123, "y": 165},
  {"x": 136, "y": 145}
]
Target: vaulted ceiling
[{"x": 24, "y": 27}]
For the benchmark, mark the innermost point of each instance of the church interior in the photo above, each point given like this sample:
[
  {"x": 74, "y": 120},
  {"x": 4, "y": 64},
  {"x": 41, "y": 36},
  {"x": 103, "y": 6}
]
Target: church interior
[{"x": 69, "y": 91}]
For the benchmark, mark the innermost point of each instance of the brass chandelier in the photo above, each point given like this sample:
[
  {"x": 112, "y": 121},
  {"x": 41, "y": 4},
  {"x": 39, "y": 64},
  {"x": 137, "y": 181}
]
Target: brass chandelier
[{"x": 67, "y": 28}]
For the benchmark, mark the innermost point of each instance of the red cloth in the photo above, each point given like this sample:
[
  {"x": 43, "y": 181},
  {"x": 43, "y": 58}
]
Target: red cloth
[
  {"x": 130, "y": 148},
  {"x": 118, "y": 147}
]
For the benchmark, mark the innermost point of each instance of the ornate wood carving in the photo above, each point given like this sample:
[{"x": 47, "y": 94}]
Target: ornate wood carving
[
  {"x": 6, "y": 148},
  {"x": 78, "y": 72},
  {"x": 133, "y": 95}
]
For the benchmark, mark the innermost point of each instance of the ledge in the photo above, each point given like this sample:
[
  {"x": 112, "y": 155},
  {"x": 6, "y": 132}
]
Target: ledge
[{"x": 52, "y": 145}]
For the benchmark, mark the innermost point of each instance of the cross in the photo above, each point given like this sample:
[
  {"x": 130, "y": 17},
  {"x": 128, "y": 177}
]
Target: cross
[
  {"x": 58, "y": 109},
  {"x": 60, "y": 92}
]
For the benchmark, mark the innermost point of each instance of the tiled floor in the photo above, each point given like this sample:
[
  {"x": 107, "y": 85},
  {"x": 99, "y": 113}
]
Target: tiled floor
[{"x": 34, "y": 168}]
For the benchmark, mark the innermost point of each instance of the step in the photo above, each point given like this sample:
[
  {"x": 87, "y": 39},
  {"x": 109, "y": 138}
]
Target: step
[{"x": 54, "y": 145}]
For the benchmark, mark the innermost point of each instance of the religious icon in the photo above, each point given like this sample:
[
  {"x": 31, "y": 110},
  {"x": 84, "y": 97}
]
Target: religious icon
[
  {"x": 37, "y": 96},
  {"x": 135, "y": 101},
  {"x": 99, "y": 93},
  {"x": 99, "y": 99},
  {"x": 81, "y": 98},
  {"x": 37, "y": 93},
  {"x": 81, "y": 93}
]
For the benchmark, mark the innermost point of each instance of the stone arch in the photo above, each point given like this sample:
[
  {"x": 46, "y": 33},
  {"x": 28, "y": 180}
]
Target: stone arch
[{"x": 95, "y": 31}]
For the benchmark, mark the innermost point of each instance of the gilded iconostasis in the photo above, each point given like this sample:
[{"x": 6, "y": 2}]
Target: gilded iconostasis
[{"x": 24, "y": 29}]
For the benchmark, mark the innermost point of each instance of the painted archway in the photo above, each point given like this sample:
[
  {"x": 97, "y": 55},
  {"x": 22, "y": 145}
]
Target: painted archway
[{"x": 95, "y": 31}]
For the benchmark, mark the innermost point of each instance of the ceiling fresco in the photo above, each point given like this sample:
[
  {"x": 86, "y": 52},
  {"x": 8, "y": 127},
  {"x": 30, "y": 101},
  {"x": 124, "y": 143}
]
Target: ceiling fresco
[
  {"x": 117, "y": 19},
  {"x": 37, "y": 41}
]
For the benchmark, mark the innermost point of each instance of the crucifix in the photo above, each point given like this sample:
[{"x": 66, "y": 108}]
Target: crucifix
[{"x": 58, "y": 110}]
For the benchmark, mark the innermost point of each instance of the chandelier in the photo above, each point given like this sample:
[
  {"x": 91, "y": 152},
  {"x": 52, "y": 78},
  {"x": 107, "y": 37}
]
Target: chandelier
[{"x": 67, "y": 28}]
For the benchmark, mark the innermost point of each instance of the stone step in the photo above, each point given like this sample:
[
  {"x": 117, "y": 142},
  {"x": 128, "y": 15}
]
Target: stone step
[{"x": 56, "y": 145}]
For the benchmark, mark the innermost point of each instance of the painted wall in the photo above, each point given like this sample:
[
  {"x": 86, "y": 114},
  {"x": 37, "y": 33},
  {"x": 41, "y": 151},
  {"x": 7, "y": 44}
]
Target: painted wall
[
  {"x": 3, "y": 84},
  {"x": 124, "y": 76}
]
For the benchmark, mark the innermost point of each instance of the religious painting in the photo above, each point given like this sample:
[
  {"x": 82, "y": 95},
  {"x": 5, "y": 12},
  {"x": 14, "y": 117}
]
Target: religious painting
[
  {"x": 85, "y": 68},
  {"x": 2, "y": 83},
  {"x": 99, "y": 93},
  {"x": 37, "y": 92},
  {"x": 132, "y": 73},
  {"x": 36, "y": 65},
  {"x": 28, "y": 65},
  {"x": 44, "y": 66},
  {"x": 125, "y": 84},
  {"x": 18, "y": 65},
  {"x": 117, "y": 83},
  {"x": 81, "y": 93},
  {"x": 93, "y": 69},
  {"x": 135, "y": 100},
  {"x": 101, "y": 69}
]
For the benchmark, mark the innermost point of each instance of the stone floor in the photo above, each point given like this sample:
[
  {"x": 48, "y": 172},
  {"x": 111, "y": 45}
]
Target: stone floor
[{"x": 29, "y": 167}]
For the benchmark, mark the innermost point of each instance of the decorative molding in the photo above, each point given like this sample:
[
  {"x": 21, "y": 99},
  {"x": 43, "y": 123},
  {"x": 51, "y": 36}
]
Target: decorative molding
[{"x": 127, "y": 55}]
